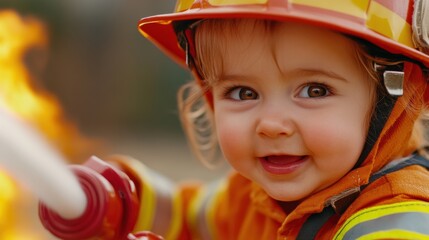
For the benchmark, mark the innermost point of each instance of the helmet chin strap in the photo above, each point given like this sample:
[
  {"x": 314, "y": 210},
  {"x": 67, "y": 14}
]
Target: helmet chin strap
[{"x": 393, "y": 83}]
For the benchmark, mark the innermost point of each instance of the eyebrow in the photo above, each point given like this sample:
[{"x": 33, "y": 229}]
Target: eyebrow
[
  {"x": 316, "y": 71},
  {"x": 226, "y": 77},
  {"x": 302, "y": 72}
]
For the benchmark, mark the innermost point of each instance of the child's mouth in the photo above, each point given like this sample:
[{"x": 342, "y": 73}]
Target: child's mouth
[{"x": 282, "y": 164}]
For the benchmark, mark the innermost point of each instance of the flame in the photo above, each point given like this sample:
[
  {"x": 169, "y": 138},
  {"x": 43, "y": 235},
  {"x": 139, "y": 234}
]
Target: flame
[{"x": 18, "y": 35}]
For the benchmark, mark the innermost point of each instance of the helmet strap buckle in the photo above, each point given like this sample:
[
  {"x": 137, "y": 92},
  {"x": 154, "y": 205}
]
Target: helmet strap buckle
[{"x": 393, "y": 80}]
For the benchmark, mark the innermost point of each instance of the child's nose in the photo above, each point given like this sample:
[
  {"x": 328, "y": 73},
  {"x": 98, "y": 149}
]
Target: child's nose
[{"x": 275, "y": 125}]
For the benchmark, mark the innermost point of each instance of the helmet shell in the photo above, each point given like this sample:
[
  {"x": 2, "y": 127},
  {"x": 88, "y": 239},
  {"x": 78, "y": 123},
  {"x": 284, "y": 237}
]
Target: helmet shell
[{"x": 385, "y": 23}]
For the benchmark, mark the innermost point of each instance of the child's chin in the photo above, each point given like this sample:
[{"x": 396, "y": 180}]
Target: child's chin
[{"x": 287, "y": 197}]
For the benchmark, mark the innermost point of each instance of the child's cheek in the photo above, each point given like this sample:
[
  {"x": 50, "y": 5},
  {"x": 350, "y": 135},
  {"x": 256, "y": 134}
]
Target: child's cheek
[
  {"x": 233, "y": 139},
  {"x": 326, "y": 136},
  {"x": 331, "y": 138}
]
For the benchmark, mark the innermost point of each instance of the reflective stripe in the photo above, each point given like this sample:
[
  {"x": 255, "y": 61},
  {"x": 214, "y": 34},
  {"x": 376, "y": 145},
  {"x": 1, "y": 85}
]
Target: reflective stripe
[
  {"x": 200, "y": 228},
  {"x": 168, "y": 213},
  {"x": 147, "y": 201},
  {"x": 349, "y": 7},
  {"x": 403, "y": 218},
  {"x": 176, "y": 220},
  {"x": 399, "y": 234},
  {"x": 236, "y": 2},
  {"x": 399, "y": 7},
  {"x": 202, "y": 211},
  {"x": 388, "y": 23},
  {"x": 211, "y": 209},
  {"x": 182, "y": 5},
  {"x": 160, "y": 204},
  {"x": 386, "y": 17}
]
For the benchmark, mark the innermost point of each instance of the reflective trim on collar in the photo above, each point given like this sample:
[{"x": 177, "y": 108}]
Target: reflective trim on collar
[{"x": 398, "y": 220}]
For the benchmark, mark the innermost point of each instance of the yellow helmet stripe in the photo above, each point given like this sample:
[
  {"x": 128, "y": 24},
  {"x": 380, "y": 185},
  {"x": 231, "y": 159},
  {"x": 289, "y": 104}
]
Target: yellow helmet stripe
[
  {"x": 386, "y": 17},
  {"x": 349, "y": 7},
  {"x": 386, "y": 22},
  {"x": 399, "y": 7},
  {"x": 236, "y": 2},
  {"x": 182, "y": 5}
]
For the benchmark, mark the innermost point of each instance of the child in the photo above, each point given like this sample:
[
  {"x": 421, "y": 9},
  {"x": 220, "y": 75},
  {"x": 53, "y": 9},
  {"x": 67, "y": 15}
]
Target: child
[{"x": 315, "y": 104}]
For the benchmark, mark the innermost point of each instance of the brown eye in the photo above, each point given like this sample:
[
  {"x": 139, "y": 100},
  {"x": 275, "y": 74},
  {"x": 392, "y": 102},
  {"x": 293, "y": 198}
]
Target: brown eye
[
  {"x": 243, "y": 93},
  {"x": 314, "y": 91},
  {"x": 247, "y": 94}
]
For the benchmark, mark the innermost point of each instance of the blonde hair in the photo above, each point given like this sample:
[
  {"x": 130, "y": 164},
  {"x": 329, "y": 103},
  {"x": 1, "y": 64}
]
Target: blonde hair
[{"x": 196, "y": 112}]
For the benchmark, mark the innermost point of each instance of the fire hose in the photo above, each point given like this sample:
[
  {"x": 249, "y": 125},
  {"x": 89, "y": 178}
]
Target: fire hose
[{"x": 91, "y": 201}]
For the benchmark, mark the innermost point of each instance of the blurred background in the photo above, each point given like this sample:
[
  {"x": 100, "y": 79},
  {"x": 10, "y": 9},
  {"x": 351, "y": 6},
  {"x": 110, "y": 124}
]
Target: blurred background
[{"x": 116, "y": 91}]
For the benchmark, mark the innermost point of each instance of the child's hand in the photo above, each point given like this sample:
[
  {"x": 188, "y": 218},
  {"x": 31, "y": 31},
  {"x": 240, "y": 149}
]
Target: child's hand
[{"x": 144, "y": 235}]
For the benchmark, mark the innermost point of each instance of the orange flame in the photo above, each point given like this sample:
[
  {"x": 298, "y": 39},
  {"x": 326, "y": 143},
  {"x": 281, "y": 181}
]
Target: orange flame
[{"x": 18, "y": 36}]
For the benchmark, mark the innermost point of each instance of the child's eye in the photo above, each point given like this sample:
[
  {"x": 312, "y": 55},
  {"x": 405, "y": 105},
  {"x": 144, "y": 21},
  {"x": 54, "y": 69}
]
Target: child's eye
[
  {"x": 314, "y": 91},
  {"x": 242, "y": 93}
]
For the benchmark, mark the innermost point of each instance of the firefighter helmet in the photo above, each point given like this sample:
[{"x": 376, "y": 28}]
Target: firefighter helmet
[{"x": 394, "y": 25}]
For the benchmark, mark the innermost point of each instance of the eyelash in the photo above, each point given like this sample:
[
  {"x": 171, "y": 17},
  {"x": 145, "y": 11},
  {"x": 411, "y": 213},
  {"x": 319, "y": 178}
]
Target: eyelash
[
  {"x": 330, "y": 90},
  {"x": 229, "y": 89},
  {"x": 226, "y": 93}
]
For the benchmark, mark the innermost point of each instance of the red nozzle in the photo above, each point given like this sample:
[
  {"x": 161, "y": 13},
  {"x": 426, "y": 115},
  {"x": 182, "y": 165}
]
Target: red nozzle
[{"x": 111, "y": 210}]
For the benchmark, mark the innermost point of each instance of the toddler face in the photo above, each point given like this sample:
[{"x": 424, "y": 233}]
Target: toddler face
[{"x": 291, "y": 107}]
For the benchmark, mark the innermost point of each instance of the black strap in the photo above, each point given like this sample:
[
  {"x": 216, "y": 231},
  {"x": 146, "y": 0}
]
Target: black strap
[
  {"x": 316, "y": 221},
  {"x": 383, "y": 108},
  {"x": 415, "y": 159}
]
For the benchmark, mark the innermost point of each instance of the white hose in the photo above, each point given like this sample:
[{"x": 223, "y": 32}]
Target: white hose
[{"x": 30, "y": 160}]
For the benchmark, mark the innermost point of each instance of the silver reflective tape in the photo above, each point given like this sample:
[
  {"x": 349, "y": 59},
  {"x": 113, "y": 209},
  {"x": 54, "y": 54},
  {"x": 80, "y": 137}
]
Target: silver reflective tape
[
  {"x": 202, "y": 224},
  {"x": 164, "y": 203},
  {"x": 417, "y": 222},
  {"x": 203, "y": 218}
]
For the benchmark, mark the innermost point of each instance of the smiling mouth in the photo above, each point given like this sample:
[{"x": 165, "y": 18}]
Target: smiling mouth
[{"x": 282, "y": 164}]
